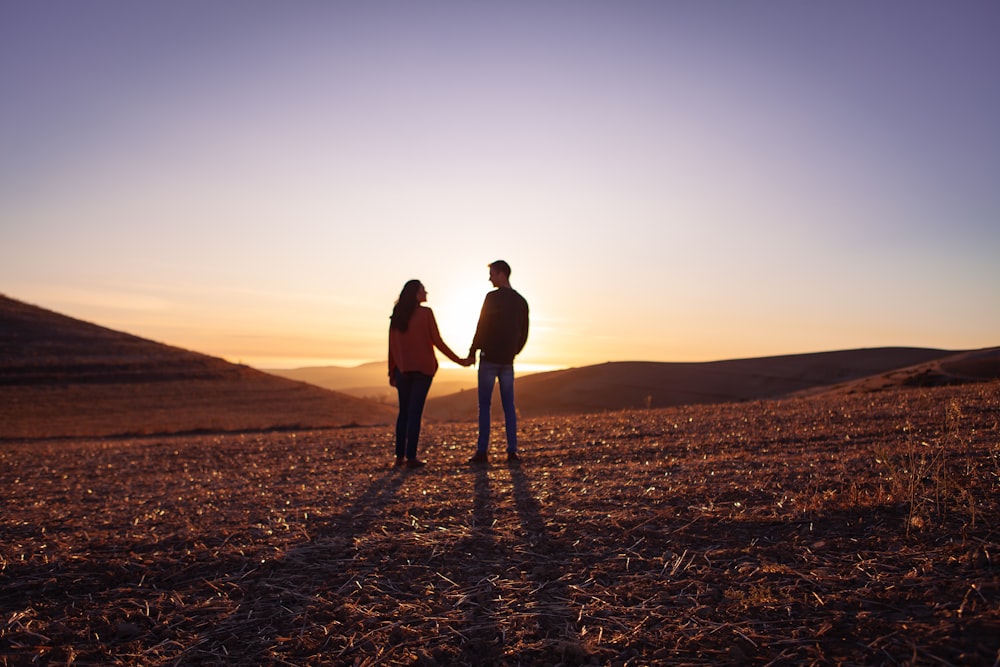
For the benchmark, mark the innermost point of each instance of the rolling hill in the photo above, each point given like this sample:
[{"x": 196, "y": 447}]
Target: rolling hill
[
  {"x": 63, "y": 377},
  {"x": 370, "y": 380},
  {"x": 959, "y": 368},
  {"x": 618, "y": 385}
]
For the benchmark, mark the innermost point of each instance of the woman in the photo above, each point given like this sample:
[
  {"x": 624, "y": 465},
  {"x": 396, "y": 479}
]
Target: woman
[{"x": 413, "y": 335}]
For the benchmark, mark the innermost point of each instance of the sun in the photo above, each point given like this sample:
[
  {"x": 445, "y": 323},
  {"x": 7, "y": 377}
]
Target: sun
[{"x": 456, "y": 310}]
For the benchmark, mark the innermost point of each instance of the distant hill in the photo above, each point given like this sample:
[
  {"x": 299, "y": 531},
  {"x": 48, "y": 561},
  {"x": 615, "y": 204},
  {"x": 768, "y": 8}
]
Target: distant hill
[
  {"x": 371, "y": 380},
  {"x": 618, "y": 385},
  {"x": 61, "y": 376},
  {"x": 959, "y": 368}
]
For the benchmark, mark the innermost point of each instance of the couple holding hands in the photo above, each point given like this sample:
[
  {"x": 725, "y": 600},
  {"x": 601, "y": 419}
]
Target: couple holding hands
[{"x": 413, "y": 334}]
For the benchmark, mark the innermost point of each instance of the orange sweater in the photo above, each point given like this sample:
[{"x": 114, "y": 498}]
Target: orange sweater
[{"x": 414, "y": 349}]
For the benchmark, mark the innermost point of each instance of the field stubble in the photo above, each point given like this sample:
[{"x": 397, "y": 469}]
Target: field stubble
[{"x": 855, "y": 530}]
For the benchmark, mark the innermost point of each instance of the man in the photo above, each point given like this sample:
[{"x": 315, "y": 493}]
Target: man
[{"x": 500, "y": 335}]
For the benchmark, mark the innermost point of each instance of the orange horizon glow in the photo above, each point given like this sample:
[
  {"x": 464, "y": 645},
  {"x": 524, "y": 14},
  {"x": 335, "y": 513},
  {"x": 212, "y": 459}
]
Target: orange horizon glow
[{"x": 290, "y": 343}]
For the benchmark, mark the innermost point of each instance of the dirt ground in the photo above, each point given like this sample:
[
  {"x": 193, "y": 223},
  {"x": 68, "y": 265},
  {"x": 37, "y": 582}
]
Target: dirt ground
[{"x": 817, "y": 531}]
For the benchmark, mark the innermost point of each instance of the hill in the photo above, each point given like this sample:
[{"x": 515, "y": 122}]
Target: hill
[
  {"x": 64, "y": 377},
  {"x": 635, "y": 384},
  {"x": 370, "y": 380},
  {"x": 959, "y": 368},
  {"x": 61, "y": 376}
]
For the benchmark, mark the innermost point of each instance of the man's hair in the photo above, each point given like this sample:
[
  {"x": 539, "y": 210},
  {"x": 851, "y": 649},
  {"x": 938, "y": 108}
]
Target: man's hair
[{"x": 501, "y": 266}]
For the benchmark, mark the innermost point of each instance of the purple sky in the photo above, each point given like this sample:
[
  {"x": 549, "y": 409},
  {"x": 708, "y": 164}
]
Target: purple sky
[{"x": 670, "y": 180}]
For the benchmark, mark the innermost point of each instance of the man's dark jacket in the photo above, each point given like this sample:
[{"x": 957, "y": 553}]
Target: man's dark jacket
[{"x": 503, "y": 326}]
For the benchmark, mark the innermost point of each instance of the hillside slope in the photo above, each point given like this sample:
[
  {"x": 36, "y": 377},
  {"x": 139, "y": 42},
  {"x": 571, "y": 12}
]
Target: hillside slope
[
  {"x": 60, "y": 376},
  {"x": 959, "y": 368},
  {"x": 617, "y": 385}
]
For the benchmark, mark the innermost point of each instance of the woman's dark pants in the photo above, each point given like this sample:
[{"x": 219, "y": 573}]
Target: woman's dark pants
[{"x": 412, "y": 388}]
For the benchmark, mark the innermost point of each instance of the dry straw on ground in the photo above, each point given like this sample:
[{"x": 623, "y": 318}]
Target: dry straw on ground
[{"x": 855, "y": 530}]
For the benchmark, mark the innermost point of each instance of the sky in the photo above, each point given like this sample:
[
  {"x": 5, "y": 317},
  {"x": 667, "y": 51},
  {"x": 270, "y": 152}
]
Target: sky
[{"x": 669, "y": 180}]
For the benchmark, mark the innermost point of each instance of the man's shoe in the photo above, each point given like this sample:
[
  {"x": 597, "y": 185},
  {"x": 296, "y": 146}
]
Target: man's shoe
[
  {"x": 399, "y": 461},
  {"x": 414, "y": 463},
  {"x": 480, "y": 457},
  {"x": 512, "y": 457}
]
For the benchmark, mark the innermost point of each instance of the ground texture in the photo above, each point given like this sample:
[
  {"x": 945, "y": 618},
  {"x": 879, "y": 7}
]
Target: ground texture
[{"x": 859, "y": 530}]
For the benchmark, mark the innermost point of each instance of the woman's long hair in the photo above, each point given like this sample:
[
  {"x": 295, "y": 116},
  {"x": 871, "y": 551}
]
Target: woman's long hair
[{"x": 406, "y": 304}]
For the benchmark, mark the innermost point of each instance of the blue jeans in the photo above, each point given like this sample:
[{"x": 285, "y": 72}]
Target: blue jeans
[
  {"x": 489, "y": 374},
  {"x": 412, "y": 388}
]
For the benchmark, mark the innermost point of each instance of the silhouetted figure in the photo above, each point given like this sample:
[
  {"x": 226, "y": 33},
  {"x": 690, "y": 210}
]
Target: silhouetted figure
[
  {"x": 413, "y": 335},
  {"x": 500, "y": 335}
]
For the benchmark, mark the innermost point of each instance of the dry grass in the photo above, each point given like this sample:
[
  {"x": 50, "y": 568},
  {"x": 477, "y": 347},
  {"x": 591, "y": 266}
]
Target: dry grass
[{"x": 855, "y": 530}]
